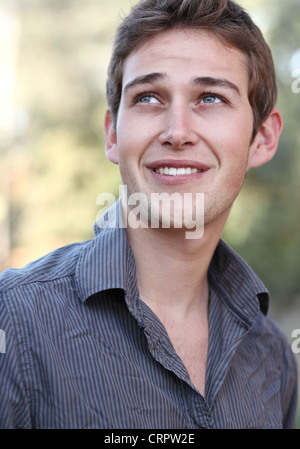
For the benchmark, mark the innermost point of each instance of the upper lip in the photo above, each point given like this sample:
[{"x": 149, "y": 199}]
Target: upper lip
[{"x": 177, "y": 163}]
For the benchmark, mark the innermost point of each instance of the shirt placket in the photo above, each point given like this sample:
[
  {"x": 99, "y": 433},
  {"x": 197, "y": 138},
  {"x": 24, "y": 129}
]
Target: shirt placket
[{"x": 195, "y": 407}]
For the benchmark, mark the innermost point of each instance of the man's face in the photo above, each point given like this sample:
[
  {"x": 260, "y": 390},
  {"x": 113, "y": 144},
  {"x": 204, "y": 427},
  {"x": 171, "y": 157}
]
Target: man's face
[{"x": 184, "y": 123}]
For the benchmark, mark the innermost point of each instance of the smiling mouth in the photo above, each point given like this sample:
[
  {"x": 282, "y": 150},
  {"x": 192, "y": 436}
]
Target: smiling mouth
[{"x": 181, "y": 171}]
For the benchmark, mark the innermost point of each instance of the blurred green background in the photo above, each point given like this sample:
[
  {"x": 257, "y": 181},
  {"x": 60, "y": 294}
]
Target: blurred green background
[{"x": 53, "y": 61}]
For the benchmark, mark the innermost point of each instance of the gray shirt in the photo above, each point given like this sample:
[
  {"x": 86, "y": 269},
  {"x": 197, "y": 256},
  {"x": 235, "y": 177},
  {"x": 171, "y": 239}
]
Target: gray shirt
[{"x": 83, "y": 351}]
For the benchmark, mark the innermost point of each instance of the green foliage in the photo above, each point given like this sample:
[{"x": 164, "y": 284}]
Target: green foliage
[
  {"x": 57, "y": 160},
  {"x": 264, "y": 227},
  {"x": 54, "y": 166}
]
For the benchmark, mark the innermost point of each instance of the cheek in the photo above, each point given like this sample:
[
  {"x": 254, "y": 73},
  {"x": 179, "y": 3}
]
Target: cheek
[
  {"x": 232, "y": 152},
  {"x": 235, "y": 140},
  {"x": 128, "y": 157},
  {"x": 135, "y": 140},
  {"x": 236, "y": 162}
]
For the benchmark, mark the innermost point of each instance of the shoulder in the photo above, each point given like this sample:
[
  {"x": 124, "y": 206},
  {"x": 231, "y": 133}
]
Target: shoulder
[
  {"x": 287, "y": 367},
  {"x": 38, "y": 292},
  {"x": 286, "y": 357},
  {"x": 58, "y": 264}
]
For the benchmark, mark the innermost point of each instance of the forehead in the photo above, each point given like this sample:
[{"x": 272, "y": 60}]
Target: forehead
[{"x": 187, "y": 53}]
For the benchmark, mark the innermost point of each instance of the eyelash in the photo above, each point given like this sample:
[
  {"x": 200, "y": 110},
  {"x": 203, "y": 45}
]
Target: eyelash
[
  {"x": 138, "y": 97},
  {"x": 211, "y": 94}
]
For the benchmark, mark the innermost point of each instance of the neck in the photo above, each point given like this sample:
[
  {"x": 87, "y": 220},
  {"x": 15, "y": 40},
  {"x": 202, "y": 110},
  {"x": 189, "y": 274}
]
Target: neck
[{"x": 172, "y": 270}]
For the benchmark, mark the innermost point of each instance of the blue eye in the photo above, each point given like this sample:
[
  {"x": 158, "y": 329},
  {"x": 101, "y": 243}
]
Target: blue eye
[
  {"x": 211, "y": 99},
  {"x": 148, "y": 99}
]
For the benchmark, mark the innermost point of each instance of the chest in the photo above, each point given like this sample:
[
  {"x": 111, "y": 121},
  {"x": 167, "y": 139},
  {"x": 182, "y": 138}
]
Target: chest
[
  {"x": 104, "y": 376},
  {"x": 190, "y": 342}
]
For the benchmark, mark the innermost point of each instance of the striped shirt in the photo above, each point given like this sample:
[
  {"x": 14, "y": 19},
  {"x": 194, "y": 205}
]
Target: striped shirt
[{"x": 83, "y": 351}]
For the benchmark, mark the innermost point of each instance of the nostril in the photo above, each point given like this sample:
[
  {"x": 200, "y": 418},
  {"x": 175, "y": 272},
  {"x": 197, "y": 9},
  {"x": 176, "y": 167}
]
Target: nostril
[{"x": 178, "y": 138}]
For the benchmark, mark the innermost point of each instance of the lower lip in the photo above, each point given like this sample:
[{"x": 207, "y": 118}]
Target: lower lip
[{"x": 178, "y": 179}]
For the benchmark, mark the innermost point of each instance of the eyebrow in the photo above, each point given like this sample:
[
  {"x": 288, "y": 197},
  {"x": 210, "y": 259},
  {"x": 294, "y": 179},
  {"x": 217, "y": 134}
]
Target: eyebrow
[
  {"x": 203, "y": 81},
  {"x": 208, "y": 81},
  {"x": 145, "y": 79}
]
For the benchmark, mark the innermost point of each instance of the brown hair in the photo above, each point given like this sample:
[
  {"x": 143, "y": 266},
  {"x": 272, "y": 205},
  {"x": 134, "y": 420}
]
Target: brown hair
[{"x": 224, "y": 17}]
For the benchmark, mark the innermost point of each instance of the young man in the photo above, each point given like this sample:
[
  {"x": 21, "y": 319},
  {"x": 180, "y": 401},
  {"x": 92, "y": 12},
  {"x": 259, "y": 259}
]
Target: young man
[{"x": 143, "y": 327}]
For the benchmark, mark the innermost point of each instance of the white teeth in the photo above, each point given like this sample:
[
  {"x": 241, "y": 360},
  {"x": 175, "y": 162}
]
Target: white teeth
[{"x": 172, "y": 171}]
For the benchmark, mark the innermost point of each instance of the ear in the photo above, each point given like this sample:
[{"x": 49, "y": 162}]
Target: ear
[
  {"x": 266, "y": 140},
  {"x": 111, "y": 149}
]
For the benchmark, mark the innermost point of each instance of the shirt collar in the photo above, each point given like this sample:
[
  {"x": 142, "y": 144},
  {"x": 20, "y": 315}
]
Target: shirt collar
[
  {"x": 107, "y": 262},
  {"x": 237, "y": 284}
]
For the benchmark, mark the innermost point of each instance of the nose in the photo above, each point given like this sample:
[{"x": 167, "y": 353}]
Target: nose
[{"x": 178, "y": 127}]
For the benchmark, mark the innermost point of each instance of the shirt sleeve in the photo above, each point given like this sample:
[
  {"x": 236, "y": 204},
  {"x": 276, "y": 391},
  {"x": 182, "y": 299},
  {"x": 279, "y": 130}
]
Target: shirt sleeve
[
  {"x": 289, "y": 386},
  {"x": 289, "y": 377},
  {"x": 14, "y": 403}
]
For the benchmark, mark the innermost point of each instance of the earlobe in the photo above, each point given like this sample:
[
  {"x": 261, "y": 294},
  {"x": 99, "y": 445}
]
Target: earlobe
[
  {"x": 266, "y": 141},
  {"x": 111, "y": 149}
]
